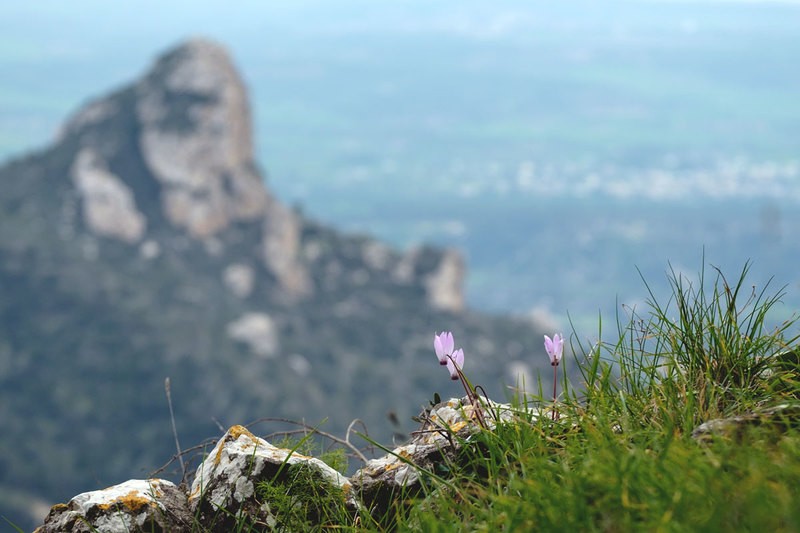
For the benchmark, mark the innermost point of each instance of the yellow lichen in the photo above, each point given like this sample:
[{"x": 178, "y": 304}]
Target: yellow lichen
[
  {"x": 458, "y": 426},
  {"x": 218, "y": 457},
  {"x": 237, "y": 431},
  {"x": 233, "y": 434},
  {"x": 392, "y": 466},
  {"x": 133, "y": 501},
  {"x": 404, "y": 454}
]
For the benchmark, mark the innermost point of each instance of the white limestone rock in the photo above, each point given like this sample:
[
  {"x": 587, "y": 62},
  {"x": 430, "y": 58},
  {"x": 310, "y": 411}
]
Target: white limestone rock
[
  {"x": 258, "y": 331},
  {"x": 196, "y": 139},
  {"x": 377, "y": 255},
  {"x": 108, "y": 206},
  {"x": 137, "y": 505},
  {"x": 188, "y": 122},
  {"x": 281, "y": 250},
  {"x": 441, "y": 273},
  {"x": 444, "y": 284},
  {"x": 225, "y": 484},
  {"x": 239, "y": 279},
  {"x": 383, "y": 480},
  {"x": 778, "y": 418}
]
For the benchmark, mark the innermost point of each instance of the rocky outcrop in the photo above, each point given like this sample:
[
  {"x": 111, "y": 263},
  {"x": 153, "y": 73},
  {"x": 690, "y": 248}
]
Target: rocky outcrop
[
  {"x": 136, "y": 505},
  {"x": 280, "y": 249},
  {"x": 442, "y": 275},
  {"x": 777, "y": 418},
  {"x": 177, "y": 145},
  {"x": 233, "y": 484},
  {"x": 444, "y": 283},
  {"x": 196, "y": 139},
  {"x": 258, "y": 331},
  {"x": 246, "y": 481},
  {"x": 444, "y": 430},
  {"x": 109, "y": 208}
]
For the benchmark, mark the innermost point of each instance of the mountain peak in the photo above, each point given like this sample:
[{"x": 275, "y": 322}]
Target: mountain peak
[
  {"x": 176, "y": 147},
  {"x": 195, "y": 137},
  {"x": 188, "y": 120}
]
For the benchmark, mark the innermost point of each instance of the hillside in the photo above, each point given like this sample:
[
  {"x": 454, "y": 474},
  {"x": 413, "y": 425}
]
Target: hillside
[{"x": 143, "y": 244}]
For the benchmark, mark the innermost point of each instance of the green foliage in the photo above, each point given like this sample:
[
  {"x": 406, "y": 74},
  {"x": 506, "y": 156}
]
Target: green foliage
[
  {"x": 334, "y": 457},
  {"x": 593, "y": 479},
  {"x": 703, "y": 354},
  {"x": 299, "y": 498},
  {"x": 621, "y": 457}
]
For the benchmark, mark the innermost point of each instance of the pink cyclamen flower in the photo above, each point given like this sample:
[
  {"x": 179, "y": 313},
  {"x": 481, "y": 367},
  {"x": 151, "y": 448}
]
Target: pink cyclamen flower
[
  {"x": 455, "y": 360},
  {"x": 554, "y": 348},
  {"x": 443, "y": 345}
]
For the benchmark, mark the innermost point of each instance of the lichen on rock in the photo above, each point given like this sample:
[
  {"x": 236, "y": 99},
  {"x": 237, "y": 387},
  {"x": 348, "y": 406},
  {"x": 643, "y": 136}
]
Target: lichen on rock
[{"x": 136, "y": 505}]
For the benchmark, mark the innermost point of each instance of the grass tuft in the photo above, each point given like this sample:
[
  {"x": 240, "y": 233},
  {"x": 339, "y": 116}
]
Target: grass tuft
[{"x": 621, "y": 457}]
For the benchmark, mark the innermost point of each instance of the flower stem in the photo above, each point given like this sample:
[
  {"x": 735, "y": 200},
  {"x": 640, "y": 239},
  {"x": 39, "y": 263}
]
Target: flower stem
[
  {"x": 555, "y": 384},
  {"x": 472, "y": 396}
]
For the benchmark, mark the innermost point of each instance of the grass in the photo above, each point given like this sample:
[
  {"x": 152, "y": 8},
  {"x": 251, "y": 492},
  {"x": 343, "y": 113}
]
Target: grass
[{"x": 621, "y": 458}]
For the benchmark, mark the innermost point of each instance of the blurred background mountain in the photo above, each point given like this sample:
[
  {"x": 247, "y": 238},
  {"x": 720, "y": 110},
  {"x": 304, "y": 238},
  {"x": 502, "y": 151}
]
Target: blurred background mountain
[
  {"x": 557, "y": 146},
  {"x": 613, "y": 135}
]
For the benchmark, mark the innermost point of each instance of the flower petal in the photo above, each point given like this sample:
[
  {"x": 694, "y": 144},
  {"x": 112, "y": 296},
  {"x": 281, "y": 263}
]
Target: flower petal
[
  {"x": 438, "y": 347},
  {"x": 448, "y": 342},
  {"x": 458, "y": 355},
  {"x": 554, "y": 348},
  {"x": 455, "y": 362}
]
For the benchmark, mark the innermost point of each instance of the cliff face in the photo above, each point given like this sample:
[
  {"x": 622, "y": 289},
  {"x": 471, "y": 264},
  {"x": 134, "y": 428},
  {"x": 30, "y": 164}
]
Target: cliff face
[
  {"x": 144, "y": 244},
  {"x": 177, "y": 147}
]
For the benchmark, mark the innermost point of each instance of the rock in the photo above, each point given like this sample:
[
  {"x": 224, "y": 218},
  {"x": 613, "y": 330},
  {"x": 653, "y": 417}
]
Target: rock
[
  {"x": 246, "y": 475},
  {"x": 149, "y": 250},
  {"x": 258, "y": 331},
  {"x": 441, "y": 272},
  {"x": 383, "y": 480},
  {"x": 246, "y": 482},
  {"x": 779, "y": 418},
  {"x": 280, "y": 249},
  {"x": 109, "y": 208},
  {"x": 196, "y": 139},
  {"x": 239, "y": 279},
  {"x": 444, "y": 284},
  {"x": 137, "y": 505},
  {"x": 177, "y": 146},
  {"x": 377, "y": 255}
]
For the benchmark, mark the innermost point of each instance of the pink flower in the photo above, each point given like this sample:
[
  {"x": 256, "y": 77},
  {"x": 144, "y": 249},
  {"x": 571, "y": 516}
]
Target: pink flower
[
  {"x": 554, "y": 348},
  {"x": 443, "y": 345},
  {"x": 456, "y": 360}
]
